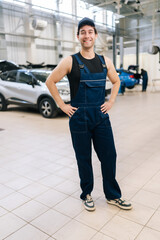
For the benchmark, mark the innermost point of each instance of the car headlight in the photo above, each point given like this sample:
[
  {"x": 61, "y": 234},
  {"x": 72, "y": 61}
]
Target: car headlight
[{"x": 64, "y": 92}]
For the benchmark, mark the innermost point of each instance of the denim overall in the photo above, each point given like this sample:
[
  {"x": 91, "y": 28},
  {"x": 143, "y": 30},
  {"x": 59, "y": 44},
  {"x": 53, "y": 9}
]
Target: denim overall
[{"x": 88, "y": 124}]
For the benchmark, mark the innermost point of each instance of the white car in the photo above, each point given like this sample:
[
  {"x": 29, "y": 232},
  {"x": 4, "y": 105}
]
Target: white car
[
  {"x": 108, "y": 87},
  {"x": 27, "y": 87}
]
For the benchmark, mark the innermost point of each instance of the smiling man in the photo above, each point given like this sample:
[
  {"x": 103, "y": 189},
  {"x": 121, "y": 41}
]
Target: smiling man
[{"x": 88, "y": 112}]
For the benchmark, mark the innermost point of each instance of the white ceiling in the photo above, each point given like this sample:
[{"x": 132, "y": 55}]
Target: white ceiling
[{"x": 141, "y": 17}]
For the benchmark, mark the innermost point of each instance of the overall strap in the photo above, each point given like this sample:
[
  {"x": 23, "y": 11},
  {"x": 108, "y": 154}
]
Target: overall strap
[
  {"x": 103, "y": 62},
  {"x": 82, "y": 66}
]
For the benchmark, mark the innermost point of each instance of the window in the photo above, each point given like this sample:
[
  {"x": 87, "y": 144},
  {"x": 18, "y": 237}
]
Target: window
[
  {"x": 83, "y": 10},
  {"x": 3, "y": 76},
  {"x": 41, "y": 76},
  {"x": 21, "y": 2},
  {"x": 110, "y": 19},
  {"x": 11, "y": 77},
  {"x": 47, "y": 5},
  {"x": 24, "y": 77},
  {"x": 65, "y": 6}
]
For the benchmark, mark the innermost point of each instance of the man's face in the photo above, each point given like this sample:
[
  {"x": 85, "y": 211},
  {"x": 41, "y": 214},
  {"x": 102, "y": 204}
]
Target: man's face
[{"x": 87, "y": 36}]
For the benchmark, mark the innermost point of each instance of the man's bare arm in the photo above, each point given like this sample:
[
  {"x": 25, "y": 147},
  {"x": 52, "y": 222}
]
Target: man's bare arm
[
  {"x": 113, "y": 77},
  {"x": 63, "y": 68}
]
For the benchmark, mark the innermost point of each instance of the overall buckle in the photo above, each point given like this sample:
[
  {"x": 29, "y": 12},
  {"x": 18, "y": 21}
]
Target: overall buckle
[{"x": 81, "y": 66}]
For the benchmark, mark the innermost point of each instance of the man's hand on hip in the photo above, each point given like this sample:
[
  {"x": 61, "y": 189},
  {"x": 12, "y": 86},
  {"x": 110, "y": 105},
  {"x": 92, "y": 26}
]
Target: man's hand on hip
[
  {"x": 68, "y": 109},
  {"x": 106, "y": 106}
]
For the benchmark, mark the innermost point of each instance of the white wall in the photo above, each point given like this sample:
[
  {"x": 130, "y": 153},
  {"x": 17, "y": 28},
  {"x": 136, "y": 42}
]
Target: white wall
[
  {"x": 146, "y": 61},
  {"x": 43, "y": 48}
]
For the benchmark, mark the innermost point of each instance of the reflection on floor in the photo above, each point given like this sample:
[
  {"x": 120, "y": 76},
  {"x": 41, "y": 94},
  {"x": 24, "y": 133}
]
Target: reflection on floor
[{"x": 39, "y": 183}]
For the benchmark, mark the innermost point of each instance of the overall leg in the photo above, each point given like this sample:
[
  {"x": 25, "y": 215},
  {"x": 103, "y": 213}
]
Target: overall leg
[
  {"x": 104, "y": 146},
  {"x": 82, "y": 146}
]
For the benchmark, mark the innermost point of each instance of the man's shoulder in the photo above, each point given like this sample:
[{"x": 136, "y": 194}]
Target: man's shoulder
[
  {"x": 65, "y": 64},
  {"x": 108, "y": 61}
]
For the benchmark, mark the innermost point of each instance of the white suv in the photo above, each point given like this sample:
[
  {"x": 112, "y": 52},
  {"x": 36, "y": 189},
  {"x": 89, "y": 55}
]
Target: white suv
[{"x": 27, "y": 87}]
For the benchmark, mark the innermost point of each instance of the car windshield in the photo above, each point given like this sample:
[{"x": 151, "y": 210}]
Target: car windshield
[
  {"x": 42, "y": 76},
  {"x": 122, "y": 70}
]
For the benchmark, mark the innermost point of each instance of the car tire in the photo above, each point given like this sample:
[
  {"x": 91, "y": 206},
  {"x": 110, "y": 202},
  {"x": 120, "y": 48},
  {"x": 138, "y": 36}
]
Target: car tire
[
  {"x": 130, "y": 87},
  {"x": 48, "y": 108},
  {"x": 3, "y": 104}
]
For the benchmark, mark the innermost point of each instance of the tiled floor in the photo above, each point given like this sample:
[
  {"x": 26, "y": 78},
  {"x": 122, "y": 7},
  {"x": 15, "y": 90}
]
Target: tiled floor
[{"x": 39, "y": 183}]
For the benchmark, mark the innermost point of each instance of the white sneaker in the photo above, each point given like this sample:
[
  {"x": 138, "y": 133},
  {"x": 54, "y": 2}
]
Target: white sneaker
[
  {"x": 121, "y": 203},
  {"x": 88, "y": 203}
]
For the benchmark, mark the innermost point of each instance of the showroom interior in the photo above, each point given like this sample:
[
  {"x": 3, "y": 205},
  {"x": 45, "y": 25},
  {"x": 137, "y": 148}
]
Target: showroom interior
[{"x": 39, "y": 180}]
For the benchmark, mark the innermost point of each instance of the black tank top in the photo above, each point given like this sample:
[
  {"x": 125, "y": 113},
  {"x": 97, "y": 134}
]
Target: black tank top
[{"x": 94, "y": 65}]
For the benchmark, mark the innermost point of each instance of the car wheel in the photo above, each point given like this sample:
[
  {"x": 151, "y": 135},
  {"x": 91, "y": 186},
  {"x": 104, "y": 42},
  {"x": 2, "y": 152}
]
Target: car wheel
[
  {"x": 3, "y": 104},
  {"x": 48, "y": 108},
  {"x": 130, "y": 87}
]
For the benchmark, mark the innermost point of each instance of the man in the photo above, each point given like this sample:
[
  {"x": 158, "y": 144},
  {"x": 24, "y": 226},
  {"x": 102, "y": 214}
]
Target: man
[
  {"x": 144, "y": 80},
  {"x": 88, "y": 113}
]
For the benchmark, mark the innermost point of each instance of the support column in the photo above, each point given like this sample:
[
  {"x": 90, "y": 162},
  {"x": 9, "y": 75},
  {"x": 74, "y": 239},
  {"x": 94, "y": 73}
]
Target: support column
[
  {"x": 3, "y": 46},
  {"x": 114, "y": 50},
  {"x": 121, "y": 52},
  {"x": 58, "y": 35},
  {"x": 74, "y": 12},
  {"x": 137, "y": 53},
  {"x": 30, "y": 53}
]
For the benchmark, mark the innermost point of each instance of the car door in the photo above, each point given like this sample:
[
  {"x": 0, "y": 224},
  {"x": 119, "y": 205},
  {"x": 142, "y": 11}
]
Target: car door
[
  {"x": 26, "y": 88},
  {"x": 9, "y": 84}
]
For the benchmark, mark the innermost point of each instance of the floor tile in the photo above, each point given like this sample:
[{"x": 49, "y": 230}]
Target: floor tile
[
  {"x": 30, "y": 210},
  {"x": 68, "y": 173},
  {"x": 2, "y": 211},
  {"x": 51, "y": 221},
  {"x": 67, "y": 187},
  {"x": 70, "y": 207},
  {"x": 36, "y": 174},
  {"x": 52, "y": 180},
  {"x": 139, "y": 213},
  {"x": 51, "y": 198},
  {"x": 148, "y": 234},
  {"x": 94, "y": 219},
  {"x": 121, "y": 229},
  {"x": 13, "y": 201},
  {"x": 100, "y": 236},
  {"x": 74, "y": 230},
  {"x": 5, "y": 191},
  {"x": 9, "y": 223},
  {"x": 153, "y": 185},
  {"x": 104, "y": 206},
  {"x": 18, "y": 183},
  {"x": 33, "y": 190},
  {"x": 155, "y": 221},
  {"x": 7, "y": 176},
  {"x": 52, "y": 167},
  {"x": 146, "y": 198},
  {"x": 28, "y": 232},
  {"x": 128, "y": 191}
]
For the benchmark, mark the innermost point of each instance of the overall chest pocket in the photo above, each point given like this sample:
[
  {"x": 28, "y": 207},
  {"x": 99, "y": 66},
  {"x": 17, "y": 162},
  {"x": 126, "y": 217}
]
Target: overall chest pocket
[{"x": 95, "y": 91}]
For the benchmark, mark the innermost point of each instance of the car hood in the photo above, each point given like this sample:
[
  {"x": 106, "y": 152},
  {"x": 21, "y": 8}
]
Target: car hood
[
  {"x": 7, "y": 66},
  {"x": 133, "y": 67},
  {"x": 59, "y": 85}
]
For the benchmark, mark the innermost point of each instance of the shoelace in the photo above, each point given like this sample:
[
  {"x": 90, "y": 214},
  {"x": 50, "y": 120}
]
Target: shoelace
[
  {"x": 89, "y": 198},
  {"x": 120, "y": 200}
]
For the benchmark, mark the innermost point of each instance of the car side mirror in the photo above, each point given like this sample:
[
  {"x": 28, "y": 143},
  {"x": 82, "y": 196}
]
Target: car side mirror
[{"x": 31, "y": 83}]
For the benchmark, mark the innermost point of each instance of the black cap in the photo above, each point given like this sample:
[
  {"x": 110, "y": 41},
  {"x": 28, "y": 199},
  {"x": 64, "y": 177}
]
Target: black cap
[{"x": 85, "y": 21}]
